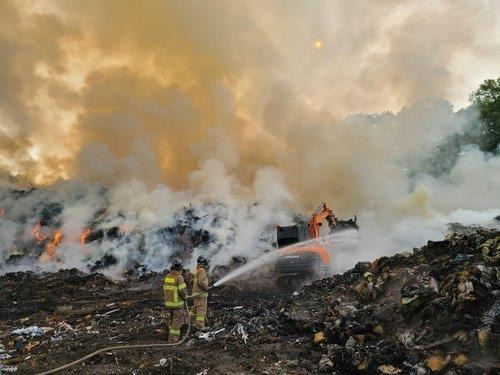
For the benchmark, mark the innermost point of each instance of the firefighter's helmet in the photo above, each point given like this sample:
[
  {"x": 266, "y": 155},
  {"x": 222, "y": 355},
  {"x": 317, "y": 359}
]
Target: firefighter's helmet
[
  {"x": 176, "y": 264},
  {"x": 202, "y": 259}
]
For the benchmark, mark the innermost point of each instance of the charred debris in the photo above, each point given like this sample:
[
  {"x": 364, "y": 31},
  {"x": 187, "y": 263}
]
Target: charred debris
[
  {"x": 433, "y": 310},
  {"x": 182, "y": 237}
]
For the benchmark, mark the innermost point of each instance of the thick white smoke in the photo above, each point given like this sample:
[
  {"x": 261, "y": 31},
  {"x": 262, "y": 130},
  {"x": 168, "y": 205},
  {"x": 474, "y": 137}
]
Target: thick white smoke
[
  {"x": 139, "y": 219},
  {"x": 127, "y": 114},
  {"x": 400, "y": 212}
]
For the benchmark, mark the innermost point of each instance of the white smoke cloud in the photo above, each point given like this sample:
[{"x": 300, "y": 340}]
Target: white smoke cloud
[{"x": 472, "y": 184}]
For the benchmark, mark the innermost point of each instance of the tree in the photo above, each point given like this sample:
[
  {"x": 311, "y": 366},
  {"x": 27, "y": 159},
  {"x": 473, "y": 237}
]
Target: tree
[{"x": 487, "y": 100}]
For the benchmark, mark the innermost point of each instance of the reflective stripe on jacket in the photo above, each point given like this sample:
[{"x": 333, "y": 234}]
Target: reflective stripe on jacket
[
  {"x": 175, "y": 332},
  {"x": 200, "y": 283},
  {"x": 174, "y": 289}
]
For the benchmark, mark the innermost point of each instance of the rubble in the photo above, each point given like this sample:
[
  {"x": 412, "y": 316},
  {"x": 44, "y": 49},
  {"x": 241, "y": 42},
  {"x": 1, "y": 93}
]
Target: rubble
[
  {"x": 209, "y": 336},
  {"x": 435, "y": 310},
  {"x": 239, "y": 329},
  {"x": 437, "y": 363},
  {"x": 388, "y": 370},
  {"x": 31, "y": 331}
]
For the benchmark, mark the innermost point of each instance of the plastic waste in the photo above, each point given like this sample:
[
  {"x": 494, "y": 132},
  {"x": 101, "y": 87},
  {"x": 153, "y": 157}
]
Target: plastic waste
[
  {"x": 29, "y": 331},
  {"x": 209, "y": 336}
]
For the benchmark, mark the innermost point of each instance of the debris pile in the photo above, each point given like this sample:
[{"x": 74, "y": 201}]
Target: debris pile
[
  {"x": 40, "y": 231},
  {"x": 434, "y": 310}
]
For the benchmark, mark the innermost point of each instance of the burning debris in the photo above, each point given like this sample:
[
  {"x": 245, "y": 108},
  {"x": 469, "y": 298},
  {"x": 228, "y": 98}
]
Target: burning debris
[
  {"x": 50, "y": 247},
  {"x": 78, "y": 224},
  {"x": 37, "y": 235},
  {"x": 84, "y": 236},
  {"x": 433, "y": 310},
  {"x": 155, "y": 136}
]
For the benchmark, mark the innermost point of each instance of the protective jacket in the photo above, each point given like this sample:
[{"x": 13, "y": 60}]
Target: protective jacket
[
  {"x": 200, "y": 282},
  {"x": 174, "y": 289}
]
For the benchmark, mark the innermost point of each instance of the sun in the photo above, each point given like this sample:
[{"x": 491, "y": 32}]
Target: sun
[{"x": 318, "y": 44}]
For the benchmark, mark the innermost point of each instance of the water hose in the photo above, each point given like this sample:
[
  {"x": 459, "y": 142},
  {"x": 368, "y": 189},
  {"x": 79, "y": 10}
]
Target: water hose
[{"x": 121, "y": 347}]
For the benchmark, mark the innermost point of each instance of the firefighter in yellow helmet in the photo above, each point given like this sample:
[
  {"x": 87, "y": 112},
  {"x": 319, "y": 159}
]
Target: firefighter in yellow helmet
[
  {"x": 200, "y": 292},
  {"x": 175, "y": 292}
]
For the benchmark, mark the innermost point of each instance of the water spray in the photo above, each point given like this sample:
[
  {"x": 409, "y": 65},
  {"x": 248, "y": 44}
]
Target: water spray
[{"x": 274, "y": 254}]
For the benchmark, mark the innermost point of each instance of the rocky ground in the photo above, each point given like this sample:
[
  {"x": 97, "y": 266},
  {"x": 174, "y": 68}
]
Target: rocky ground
[{"x": 435, "y": 310}]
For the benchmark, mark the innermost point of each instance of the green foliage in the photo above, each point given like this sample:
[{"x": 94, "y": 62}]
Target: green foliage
[{"x": 487, "y": 100}]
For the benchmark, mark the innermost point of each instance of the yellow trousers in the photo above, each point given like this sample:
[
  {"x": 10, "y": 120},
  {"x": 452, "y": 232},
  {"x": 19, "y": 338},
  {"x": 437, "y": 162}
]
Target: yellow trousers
[
  {"x": 175, "y": 320},
  {"x": 199, "y": 311}
]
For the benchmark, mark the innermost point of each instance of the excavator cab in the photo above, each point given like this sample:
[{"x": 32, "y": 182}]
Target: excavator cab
[{"x": 290, "y": 235}]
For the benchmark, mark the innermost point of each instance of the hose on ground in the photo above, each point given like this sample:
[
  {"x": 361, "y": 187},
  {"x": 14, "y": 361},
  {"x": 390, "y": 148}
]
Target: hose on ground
[{"x": 121, "y": 347}]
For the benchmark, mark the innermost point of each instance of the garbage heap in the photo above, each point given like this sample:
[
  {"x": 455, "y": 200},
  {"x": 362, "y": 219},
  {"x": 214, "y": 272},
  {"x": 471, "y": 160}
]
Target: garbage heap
[{"x": 434, "y": 310}]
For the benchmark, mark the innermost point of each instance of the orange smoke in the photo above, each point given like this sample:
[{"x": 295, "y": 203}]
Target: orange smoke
[
  {"x": 84, "y": 235},
  {"x": 124, "y": 229},
  {"x": 37, "y": 233}
]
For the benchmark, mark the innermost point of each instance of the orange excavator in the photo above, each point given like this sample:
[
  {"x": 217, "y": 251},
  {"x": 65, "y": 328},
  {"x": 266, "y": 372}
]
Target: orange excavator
[{"x": 299, "y": 264}]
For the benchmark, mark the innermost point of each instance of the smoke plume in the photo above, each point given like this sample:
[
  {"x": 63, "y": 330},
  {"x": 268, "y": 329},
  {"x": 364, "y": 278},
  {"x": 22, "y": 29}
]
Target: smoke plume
[{"x": 124, "y": 113}]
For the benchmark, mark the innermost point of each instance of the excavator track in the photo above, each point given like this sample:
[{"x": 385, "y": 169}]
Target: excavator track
[{"x": 292, "y": 283}]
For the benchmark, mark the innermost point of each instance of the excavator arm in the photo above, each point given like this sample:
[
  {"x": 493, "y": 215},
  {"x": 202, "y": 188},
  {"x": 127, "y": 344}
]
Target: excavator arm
[{"x": 322, "y": 213}]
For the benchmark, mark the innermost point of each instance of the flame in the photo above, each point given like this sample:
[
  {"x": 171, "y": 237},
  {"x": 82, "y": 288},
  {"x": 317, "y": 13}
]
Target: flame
[
  {"x": 50, "y": 248},
  {"x": 84, "y": 235},
  {"x": 36, "y": 232}
]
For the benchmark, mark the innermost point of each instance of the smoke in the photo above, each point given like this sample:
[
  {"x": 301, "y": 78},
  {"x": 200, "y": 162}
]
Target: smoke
[{"x": 125, "y": 113}]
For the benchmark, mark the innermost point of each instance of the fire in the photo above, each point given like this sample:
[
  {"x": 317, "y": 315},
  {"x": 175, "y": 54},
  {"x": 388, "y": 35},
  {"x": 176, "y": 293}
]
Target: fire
[
  {"x": 37, "y": 233},
  {"x": 50, "y": 248},
  {"x": 84, "y": 235}
]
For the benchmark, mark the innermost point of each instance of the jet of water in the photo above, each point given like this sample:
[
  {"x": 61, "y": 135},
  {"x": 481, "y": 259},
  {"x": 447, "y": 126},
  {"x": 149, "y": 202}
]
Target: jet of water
[{"x": 271, "y": 256}]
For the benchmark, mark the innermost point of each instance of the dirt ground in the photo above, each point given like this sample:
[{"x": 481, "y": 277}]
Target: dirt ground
[
  {"x": 89, "y": 312},
  {"x": 435, "y": 310}
]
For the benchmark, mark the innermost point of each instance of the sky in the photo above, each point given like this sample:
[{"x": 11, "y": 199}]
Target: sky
[{"x": 116, "y": 90}]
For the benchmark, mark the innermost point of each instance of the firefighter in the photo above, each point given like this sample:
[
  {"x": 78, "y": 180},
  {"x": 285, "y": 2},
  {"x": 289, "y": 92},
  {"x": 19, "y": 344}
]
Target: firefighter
[
  {"x": 366, "y": 288},
  {"x": 200, "y": 292},
  {"x": 175, "y": 292}
]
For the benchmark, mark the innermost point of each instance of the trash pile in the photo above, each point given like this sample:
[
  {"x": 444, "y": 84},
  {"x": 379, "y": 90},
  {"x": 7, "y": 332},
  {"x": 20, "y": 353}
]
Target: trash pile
[
  {"x": 39, "y": 231},
  {"x": 30, "y": 242},
  {"x": 433, "y": 310}
]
